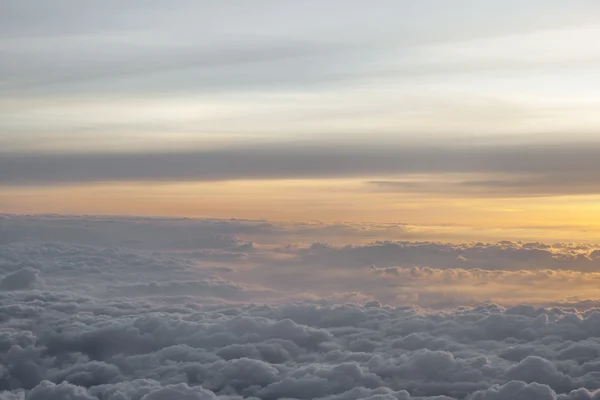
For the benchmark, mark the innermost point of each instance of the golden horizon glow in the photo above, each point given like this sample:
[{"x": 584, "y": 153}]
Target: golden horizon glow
[
  {"x": 482, "y": 122},
  {"x": 328, "y": 201}
]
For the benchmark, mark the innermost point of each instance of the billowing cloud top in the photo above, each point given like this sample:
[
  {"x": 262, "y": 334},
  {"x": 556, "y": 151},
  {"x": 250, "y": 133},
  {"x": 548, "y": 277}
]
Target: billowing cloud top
[{"x": 138, "y": 308}]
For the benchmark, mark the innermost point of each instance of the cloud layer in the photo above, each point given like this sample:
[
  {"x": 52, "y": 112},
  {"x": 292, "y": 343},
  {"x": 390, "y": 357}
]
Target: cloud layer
[
  {"x": 483, "y": 170},
  {"x": 216, "y": 316},
  {"x": 241, "y": 260}
]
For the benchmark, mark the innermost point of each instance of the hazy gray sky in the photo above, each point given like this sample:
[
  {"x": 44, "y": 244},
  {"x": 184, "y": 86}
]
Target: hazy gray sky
[
  {"x": 469, "y": 112},
  {"x": 143, "y": 74}
]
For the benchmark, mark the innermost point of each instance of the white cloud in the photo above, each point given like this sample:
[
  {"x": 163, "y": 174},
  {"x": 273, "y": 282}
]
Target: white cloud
[{"x": 81, "y": 318}]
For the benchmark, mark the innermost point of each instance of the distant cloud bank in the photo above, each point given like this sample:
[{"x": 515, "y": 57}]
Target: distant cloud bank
[{"x": 501, "y": 170}]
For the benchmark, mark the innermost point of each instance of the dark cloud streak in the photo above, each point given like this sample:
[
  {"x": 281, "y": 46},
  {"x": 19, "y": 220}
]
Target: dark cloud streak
[{"x": 531, "y": 169}]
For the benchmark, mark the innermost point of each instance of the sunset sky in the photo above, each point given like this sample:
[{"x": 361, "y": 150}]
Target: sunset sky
[
  {"x": 300, "y": 200},
  {"x": 473, "y": 117}
]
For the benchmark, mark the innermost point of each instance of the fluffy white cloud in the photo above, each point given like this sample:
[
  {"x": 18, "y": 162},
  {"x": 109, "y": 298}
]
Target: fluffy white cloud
[
  {"x": 82, "y": 318},
  {"x": 60, "y": 345}
]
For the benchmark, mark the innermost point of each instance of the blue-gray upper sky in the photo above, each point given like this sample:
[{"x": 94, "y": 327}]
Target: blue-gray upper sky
[
  {"x": 148, "y": 74},
  {"x": 223, "y": 90}
]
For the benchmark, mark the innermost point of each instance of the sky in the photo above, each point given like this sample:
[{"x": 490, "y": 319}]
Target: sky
[
  {"x": 478, "y": 115},
  {"x": 299, "y": 200}
]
